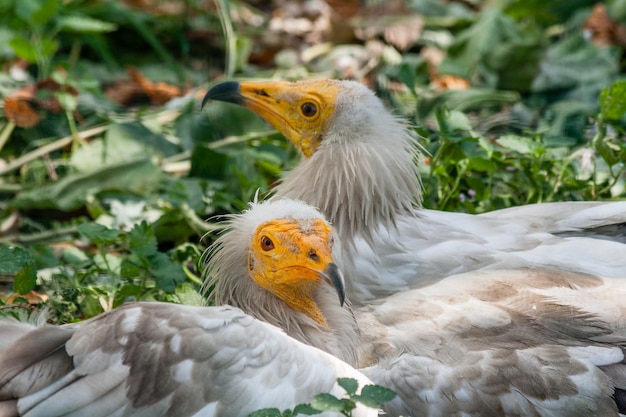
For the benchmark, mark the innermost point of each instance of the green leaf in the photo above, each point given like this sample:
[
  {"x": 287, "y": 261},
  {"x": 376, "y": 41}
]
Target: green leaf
[
  {"x": 67, "y": 101},
  {"x": 266, "y": 412},
  {"x": 575, "y": 62},
  {"x": 305, "y": 409},
  {"x": 139, "y": 176},
  {"x": 25, "y": 279},
  {"x": 141, "y": 240},
  {"x": 35, "y": 50},
  {"x": 84, "y": 24},
  {"x": 123, "y": 142},
  {"x": 613, "y": 100},
  {"x": 328, "y": 402},
  {"x": 23, "y": 49},
  {"x": 519, "y": 144},
  {"x": 207, "y": 163},
  {"x": 36, "y": 12},
  {"x": 168, "y": 274},
  {"x": 74, "y": 256},
  {"x": 374, "y": 395},
  {"x": 188, "y": 295},
  {"x": 127, "y": 293},
  {"x": 13, "y": 259},
  {"x": 99, "y": 234},
  {"x": 109, "y": 262},
  {"x": 349, "y": 384}
]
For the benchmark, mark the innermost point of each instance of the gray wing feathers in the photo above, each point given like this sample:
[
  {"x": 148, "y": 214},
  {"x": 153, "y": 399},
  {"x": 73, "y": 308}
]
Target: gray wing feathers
[
  {"x": 502, "y": 343},
  {"x": 34, "y": 360},
  {"x": 156, "y": 359},
  {"x": 544, "y": 381}
]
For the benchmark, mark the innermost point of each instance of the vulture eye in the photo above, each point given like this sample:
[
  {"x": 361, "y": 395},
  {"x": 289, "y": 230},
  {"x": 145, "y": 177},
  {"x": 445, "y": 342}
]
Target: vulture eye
[
  {"x": 266, "y": 243},
  {"x": 331, "y": 242},
  {"x": 309, "y": 109}
]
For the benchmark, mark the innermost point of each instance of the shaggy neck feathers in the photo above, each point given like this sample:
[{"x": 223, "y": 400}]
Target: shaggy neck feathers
[{"x": 371, "y": 168}]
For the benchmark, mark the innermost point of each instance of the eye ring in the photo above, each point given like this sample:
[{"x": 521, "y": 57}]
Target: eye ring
[
  {"x": 266, "y": 243},
  {"x": 308, "y": 109}
]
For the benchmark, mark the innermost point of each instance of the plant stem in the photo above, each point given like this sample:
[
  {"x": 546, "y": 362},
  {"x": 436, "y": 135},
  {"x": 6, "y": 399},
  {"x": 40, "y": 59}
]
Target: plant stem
[
  {"x": 6, "y": 133},
  {"x": 51, "y": 147},
  {"x": 227, "y": 26}
]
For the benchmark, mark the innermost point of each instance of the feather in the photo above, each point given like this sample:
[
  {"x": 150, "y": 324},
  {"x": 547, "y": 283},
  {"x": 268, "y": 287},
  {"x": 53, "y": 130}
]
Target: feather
[{"x": 159, "y": 359}]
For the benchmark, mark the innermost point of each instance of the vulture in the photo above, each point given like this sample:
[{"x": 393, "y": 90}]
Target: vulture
[
  {"x": 359, "y": 168},
  {"x": 494, "y": 343},
  {"x": 483, "y": 343},
  {"x": 151, "y": 359}
]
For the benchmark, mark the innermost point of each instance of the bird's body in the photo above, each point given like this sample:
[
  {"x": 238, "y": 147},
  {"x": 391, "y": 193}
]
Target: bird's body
[
  {"x": 159, "y": 359},
  {"x": 487, "y": 343},
  {"x": 490, "y": 343},
  {"x": 358, "y": 167}
]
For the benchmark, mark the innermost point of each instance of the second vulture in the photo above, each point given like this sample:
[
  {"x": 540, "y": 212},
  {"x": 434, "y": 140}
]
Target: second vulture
[
  {"x": 488, "y": 343},
  {"x": 358, "y": 167}
]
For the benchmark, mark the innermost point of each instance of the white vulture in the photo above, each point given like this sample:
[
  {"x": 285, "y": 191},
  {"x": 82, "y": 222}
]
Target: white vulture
[
  {"x": 358, "y": 167},
  {"x": 157, "y": 359},
  {"x": 484, "y": 343}
]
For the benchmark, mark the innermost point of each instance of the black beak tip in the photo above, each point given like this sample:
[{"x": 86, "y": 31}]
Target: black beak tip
[
  {"x": 336, "y": 279},
  {"x": 229, "y": 91}
]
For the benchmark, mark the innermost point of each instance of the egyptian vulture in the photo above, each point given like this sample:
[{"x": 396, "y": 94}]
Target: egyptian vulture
[
  {"x": 157, "y": 359},
  {"x": 358, "y": 167},
  {"x": 485, "y": 343}
]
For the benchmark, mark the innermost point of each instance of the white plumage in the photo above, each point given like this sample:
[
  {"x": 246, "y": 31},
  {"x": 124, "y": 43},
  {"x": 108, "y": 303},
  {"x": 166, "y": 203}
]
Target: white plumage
[
  {"x": 484, "y": 343},
  {"x": 158, "y": 359},
  {"x": 358, "y": 167}
]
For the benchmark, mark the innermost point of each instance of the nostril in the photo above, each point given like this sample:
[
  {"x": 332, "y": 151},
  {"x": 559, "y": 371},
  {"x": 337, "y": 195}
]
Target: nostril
[{"x": 313, "y": 255}]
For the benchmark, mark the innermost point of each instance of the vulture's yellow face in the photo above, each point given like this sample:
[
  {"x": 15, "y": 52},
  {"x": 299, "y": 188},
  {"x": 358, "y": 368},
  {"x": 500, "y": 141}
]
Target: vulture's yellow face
[
  {"x": 301, "y": 111},
  {"x": 290, "y": 258}
]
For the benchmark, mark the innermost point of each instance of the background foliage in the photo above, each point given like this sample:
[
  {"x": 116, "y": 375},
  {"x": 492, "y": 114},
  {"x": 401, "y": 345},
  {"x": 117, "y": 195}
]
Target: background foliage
[{"x": 109, "y": 169}]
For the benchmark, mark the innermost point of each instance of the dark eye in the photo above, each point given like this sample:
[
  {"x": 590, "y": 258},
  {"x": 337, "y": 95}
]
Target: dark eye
[
  {"x": 308, "y": 109},
  {"x": 331, "y": 242},
  {"x": 266, "y": 243}
]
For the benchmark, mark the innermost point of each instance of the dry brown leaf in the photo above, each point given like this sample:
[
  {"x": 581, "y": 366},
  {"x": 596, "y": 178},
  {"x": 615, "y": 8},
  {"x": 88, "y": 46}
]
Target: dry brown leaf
[
  {"x": 159, "y": 93},
  {"x": 32, "y": 298},
  {"x": 450, "y": 82},
  {"x": 124, "y": 92},
  {"x": 21, "y": 112},
  {"x": 604, "y": 30},
  {"x": 434, "y": 57}
]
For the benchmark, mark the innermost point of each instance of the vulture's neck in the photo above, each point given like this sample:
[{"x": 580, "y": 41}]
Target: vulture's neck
[
  {"x": 360, "y": 178},
  {"x": 232, "y": 286}
]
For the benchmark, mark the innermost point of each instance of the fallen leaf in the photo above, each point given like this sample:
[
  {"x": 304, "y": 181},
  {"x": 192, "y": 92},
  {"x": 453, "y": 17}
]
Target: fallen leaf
[
  {"x": 434, "y": 57},
  {"x": 604, "y": 31},
  {"x": 32, "y": 297},
  {"x": 159, "y": 93},
  {"x": 450, "y": 82},
  {"x": 20, "y": 111},
  {"x": 124, "y": 92}
]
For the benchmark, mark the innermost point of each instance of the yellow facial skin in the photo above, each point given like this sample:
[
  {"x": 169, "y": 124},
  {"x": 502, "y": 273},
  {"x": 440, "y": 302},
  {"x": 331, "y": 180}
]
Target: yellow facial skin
[
  {"x": 290, "y": 261},
  {"x": 301, "y": 111}
]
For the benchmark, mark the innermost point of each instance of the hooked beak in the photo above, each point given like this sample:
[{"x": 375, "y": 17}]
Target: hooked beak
[
  {"x": 332, "y": 275},
  {"x": 229, "y": 91}
]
